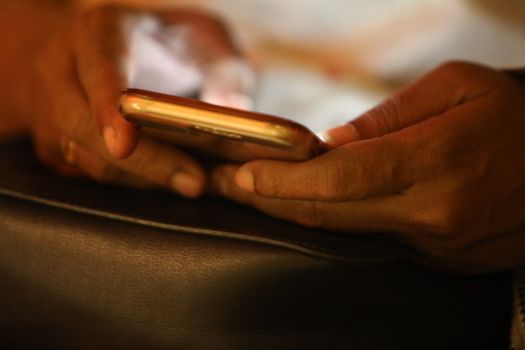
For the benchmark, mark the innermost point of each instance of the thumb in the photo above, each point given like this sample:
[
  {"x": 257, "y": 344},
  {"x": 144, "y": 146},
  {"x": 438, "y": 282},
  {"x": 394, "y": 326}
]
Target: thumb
[
  {"x": 352, "y": 172},
  {"x": 446, "y": 87}
]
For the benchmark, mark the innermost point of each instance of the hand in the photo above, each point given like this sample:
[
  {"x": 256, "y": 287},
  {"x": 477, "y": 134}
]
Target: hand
[
  {"x": 441, "y": 165},
  {"x": 73, "y": 88}
]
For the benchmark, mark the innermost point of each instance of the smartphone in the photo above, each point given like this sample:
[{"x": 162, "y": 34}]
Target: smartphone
[{"x": 227, "y": 132}]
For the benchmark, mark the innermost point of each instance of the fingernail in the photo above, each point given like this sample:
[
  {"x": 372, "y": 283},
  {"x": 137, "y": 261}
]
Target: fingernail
[
  {"x": 185, "y": 184},
  {"x": 325, "y": 137},
  {"x": 244, "y": 180},
  {"x": 340, "y": 135},
  {"x": 110, "y": 138}
]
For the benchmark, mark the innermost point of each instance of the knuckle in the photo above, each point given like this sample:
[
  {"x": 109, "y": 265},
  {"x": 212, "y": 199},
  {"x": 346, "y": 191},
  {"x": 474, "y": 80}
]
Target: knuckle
[
  {"x": 455, "y": 69},
  {"x": 385, "y": 116},
  {"x": 357, "y": 183},
  {"x": 380, "y": 120},
  {"x": 330, "y": 182},
  {"x": 454, "y": 73},
  {"x": 336, "y": 182},
  {"x": 266, "y": 181},
  {"x": 453, "y": 66}
]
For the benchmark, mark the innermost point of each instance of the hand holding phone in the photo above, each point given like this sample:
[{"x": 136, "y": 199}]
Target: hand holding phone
[{"x": 230, "y": 133}]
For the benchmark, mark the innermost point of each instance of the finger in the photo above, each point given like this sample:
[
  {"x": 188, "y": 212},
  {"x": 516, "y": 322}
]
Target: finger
[
  {"x": 209, "y": 38},
  {"x": 229, "y": 82},
  {"x": 48, "y": 151},
  {"x": 165, "y": 166},
  {"x": 154, "y": 162},
  {"x": 352, "y": 172},
  {"x": 57, "y": 143},
  {"x": 100, "y": 50},
  {"x": 442, "y": 89},
  {"x": 103, "y": 171},
  {"x": 50, "y": 155},
  {"x": 66, "y": 107},
  {"x": 391, "y": 214},
  {"x": 58, "y": 99},
  {"x": 387, "y": 213}
]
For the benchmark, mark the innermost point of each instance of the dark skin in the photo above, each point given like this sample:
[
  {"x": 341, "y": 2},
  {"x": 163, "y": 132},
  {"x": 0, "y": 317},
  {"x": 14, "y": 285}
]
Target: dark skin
[
  {"x": 441, "y": 164},
  {"x": 66, "y": 71}
]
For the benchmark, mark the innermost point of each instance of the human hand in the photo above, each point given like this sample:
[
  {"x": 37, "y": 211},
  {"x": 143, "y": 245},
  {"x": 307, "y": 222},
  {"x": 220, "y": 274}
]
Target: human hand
[
  {"x": 441, "y": 164},
  {"x": 72, "y": 89}
]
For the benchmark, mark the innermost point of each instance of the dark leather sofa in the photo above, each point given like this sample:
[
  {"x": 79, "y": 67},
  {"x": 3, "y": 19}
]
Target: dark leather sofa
[{"x": 86, "y": 266}]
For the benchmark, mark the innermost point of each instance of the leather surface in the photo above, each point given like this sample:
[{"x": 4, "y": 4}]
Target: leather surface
[
  {"x": 215, "y": 217},
  {"x": 71, "y": 279}
]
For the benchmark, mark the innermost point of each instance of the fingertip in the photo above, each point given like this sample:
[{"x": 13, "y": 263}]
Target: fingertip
[
  {"x": 245, "y": 180},
  {"x": 186, "y": 184},
  {"x": 340, "y": 135},
  {"x": 120, "y": 141}
]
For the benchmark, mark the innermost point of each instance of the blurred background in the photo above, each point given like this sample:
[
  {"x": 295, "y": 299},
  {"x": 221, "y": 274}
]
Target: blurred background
[{"x": 325, "y": 62}]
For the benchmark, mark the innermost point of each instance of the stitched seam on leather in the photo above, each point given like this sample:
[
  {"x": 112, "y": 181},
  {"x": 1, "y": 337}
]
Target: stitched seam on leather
[{"x": 295, "y": 245}]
